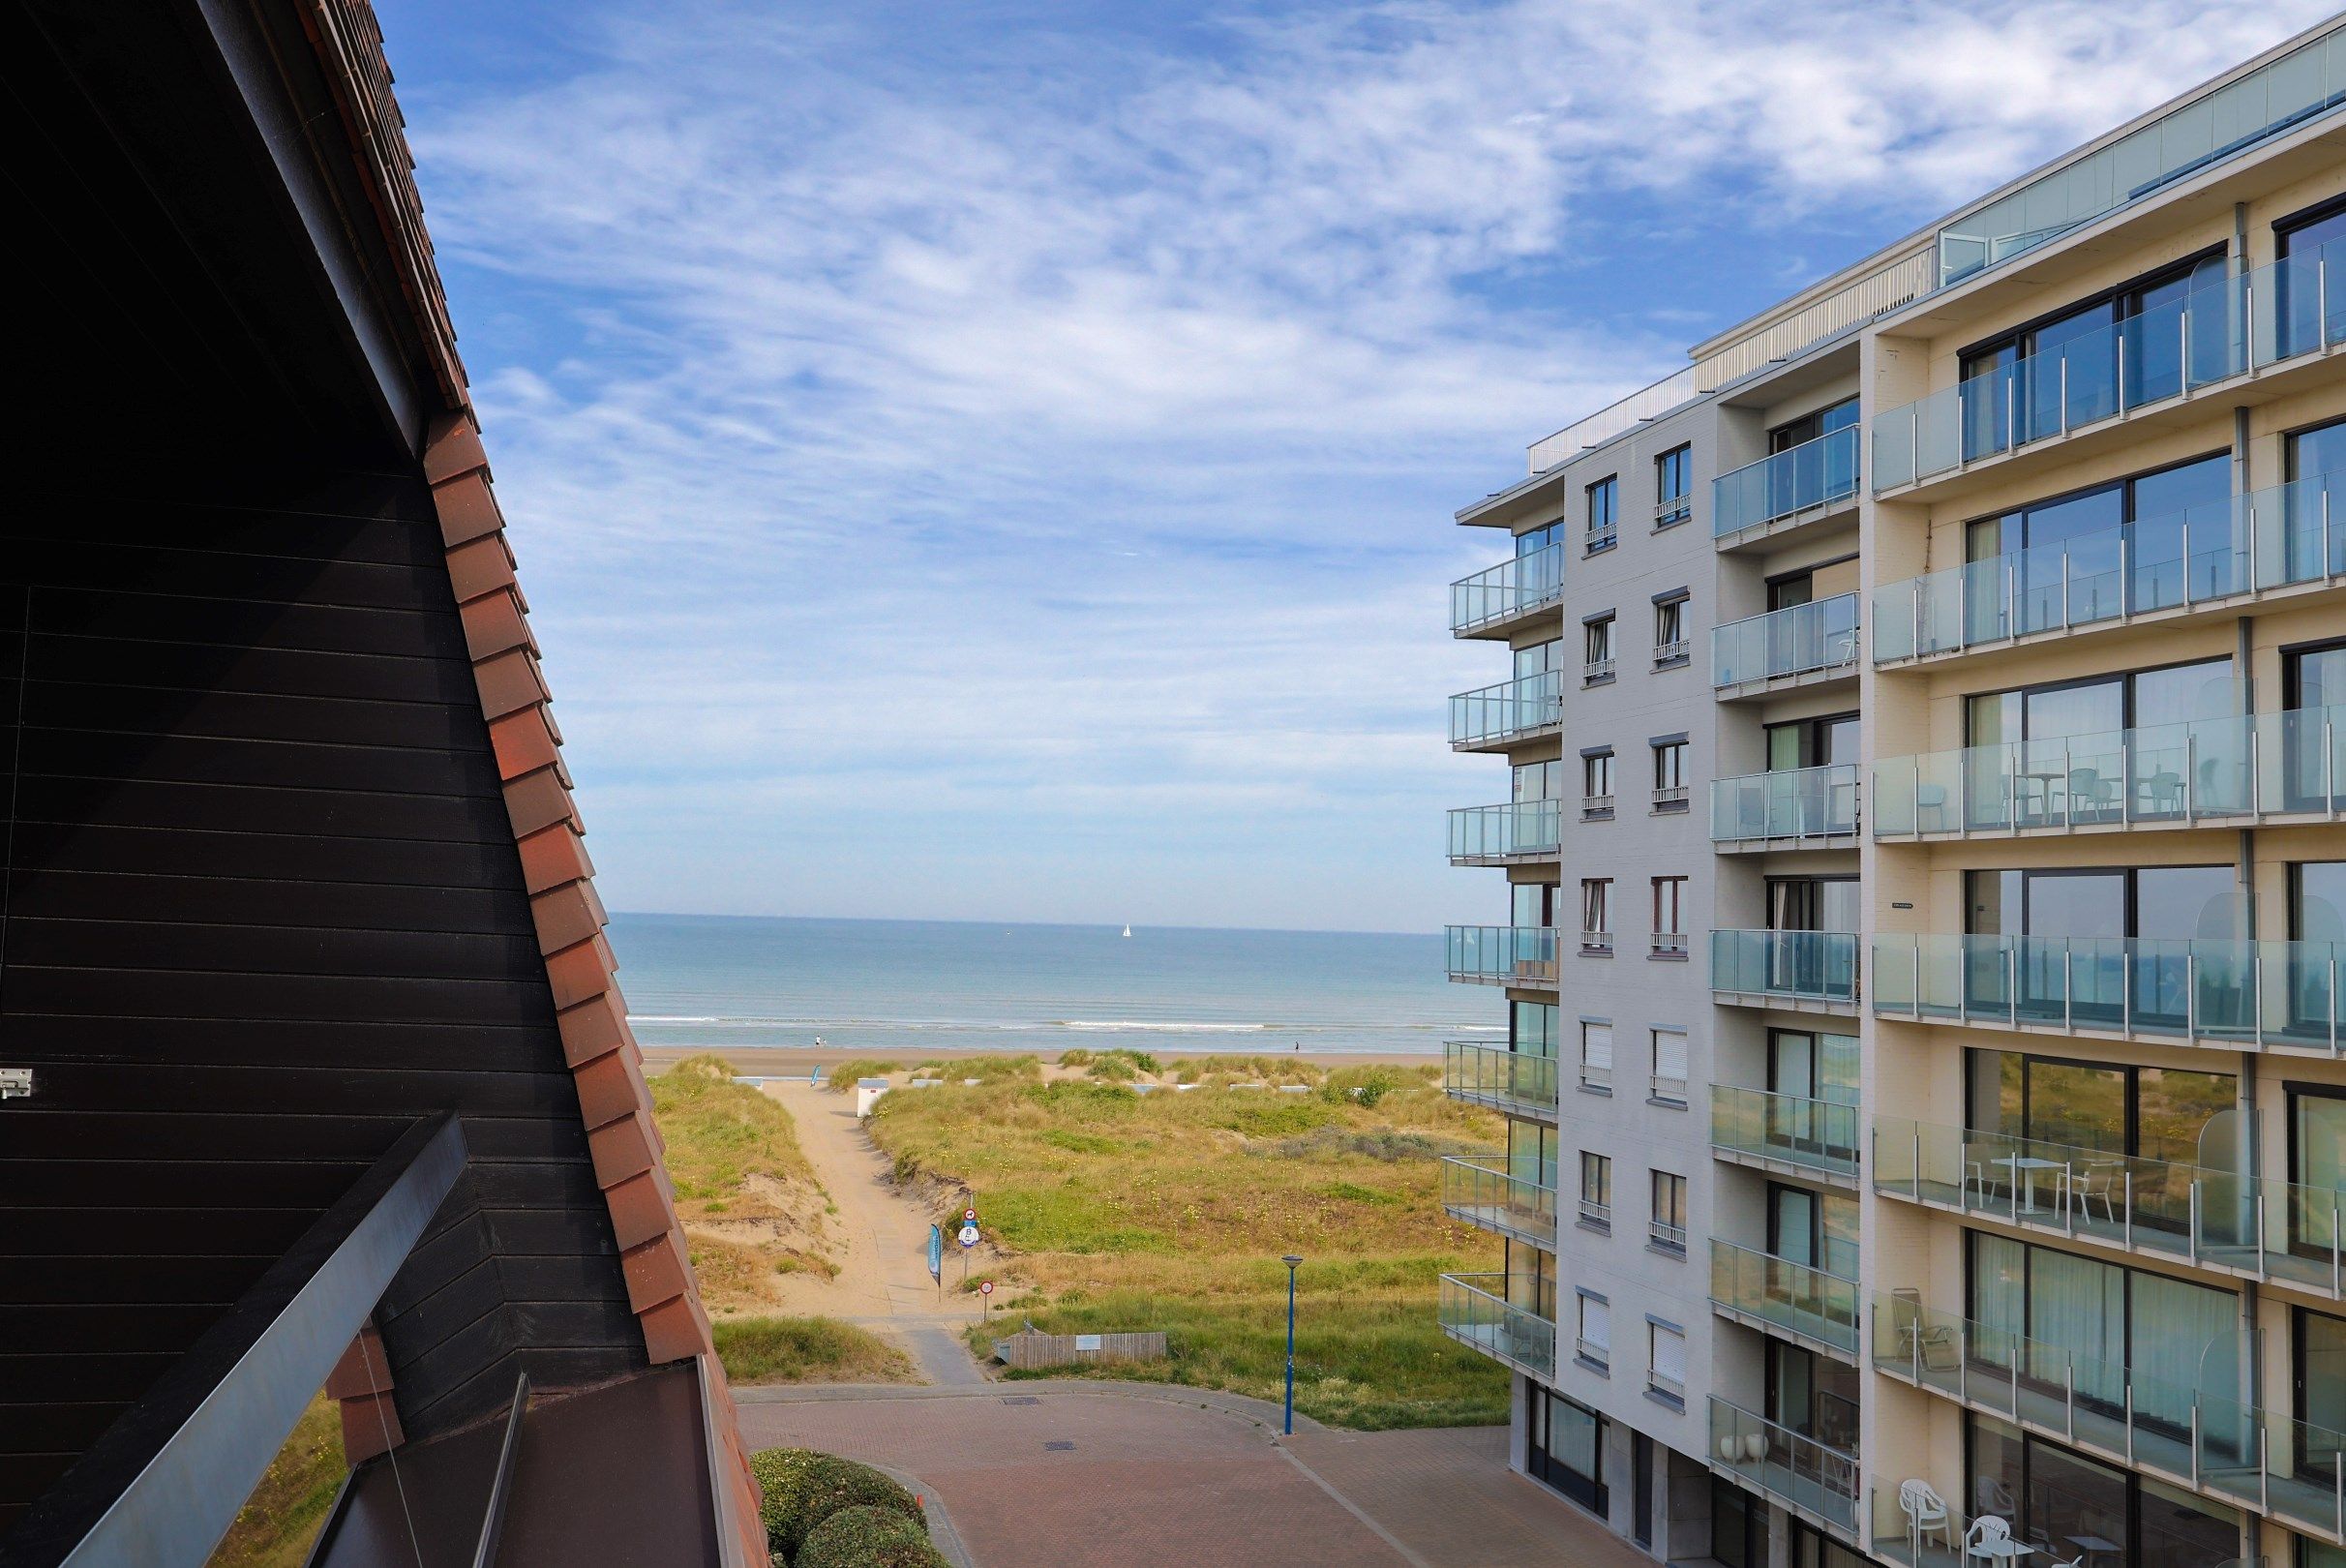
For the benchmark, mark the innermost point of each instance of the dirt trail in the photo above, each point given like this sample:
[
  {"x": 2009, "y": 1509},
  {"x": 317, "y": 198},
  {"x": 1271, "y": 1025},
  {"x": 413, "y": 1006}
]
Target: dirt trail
[{"x": 882, "y": 1282}]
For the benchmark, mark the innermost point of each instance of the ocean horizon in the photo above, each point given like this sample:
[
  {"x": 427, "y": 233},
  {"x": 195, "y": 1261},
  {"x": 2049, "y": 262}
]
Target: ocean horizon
[{"x": 749, "y": 983}]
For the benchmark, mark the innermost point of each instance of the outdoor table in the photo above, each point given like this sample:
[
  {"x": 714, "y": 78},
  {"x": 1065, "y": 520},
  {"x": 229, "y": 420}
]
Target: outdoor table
[
  {"x": 2094, "y": 1545},
  {"x": 2031, "y": 1164}
]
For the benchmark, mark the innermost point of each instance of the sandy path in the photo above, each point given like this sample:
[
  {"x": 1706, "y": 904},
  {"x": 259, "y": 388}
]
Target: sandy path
[{"x": 882, "y": 1282}]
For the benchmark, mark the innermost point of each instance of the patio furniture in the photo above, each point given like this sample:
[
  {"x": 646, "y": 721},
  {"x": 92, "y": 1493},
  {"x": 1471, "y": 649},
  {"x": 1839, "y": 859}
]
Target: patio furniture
[
  {"x": 1990, "y": 1540},
  {"x": 2098, "y": 1180},
  {"x": 1925, "y": 1512},
  {"x": 2163, "y": 794},
  {"x": 1931, "y": 797},
  {"x": 2089, "y": 792}
]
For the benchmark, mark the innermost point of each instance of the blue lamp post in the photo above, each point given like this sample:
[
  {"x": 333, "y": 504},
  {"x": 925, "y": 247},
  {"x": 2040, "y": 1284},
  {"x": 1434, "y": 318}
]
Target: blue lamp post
[{"x": 1292, "y": 1262}]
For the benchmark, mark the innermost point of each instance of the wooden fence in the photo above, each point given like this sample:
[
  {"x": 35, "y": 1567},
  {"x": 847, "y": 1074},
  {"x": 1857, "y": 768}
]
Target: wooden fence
[{"x": 1029, "y": 1348}]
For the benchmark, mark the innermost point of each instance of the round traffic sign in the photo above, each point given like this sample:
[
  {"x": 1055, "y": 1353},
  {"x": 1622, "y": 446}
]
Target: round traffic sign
[
  {"x": 967, "y": 1236},
  {"x": 970, "y": 1215},
  {"x": 986, "y": 1289}
]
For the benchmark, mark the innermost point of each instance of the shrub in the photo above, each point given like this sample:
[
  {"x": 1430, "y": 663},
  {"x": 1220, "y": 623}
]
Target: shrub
[
  {"x": 1000, "y": 1068},
  {"x": 806, "y": 1350},
  {"x": 865, "y": 1537},
  {"x": 1360, "y": 1085},
  {"x": 839, "y": 1079},
  {"x": 805, "y": 1488},
  {"x": 1112, "y": 1067},
  {"x": 1076, "y": 1056}
]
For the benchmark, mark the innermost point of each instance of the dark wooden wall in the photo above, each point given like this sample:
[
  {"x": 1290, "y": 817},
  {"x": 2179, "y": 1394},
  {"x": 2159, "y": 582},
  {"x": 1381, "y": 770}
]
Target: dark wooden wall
[{"x": 261, "y": 907}]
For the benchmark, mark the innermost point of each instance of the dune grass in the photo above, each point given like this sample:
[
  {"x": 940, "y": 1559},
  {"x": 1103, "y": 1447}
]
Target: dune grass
[
  {"x": 281, "y": 1517},
  {"x": 748, "y": 1199},
  {"x": 1120, "y": 1211},
  {"x": 841, "y": 1076},
  {"x": 808, "y": 1350}
]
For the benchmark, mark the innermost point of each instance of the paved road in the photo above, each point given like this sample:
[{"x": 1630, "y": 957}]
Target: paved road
[{"x": 1151, "y": 1474}]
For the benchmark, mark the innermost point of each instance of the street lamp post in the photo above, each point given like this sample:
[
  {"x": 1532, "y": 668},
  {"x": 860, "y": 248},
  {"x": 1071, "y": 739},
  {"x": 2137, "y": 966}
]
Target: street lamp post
[{"x": 1291, "y": 1261}]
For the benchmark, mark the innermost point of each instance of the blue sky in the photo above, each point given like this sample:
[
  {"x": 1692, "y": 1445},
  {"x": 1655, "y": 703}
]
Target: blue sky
[{"x": 995, "y": 461}]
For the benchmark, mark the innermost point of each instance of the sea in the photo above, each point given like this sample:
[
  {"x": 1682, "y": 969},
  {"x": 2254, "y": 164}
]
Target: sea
[{"x": 738, "y": 982}]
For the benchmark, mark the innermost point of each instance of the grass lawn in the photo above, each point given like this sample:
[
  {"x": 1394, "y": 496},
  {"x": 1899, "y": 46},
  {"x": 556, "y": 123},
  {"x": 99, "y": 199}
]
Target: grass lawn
[
  {"x": 808, "y": 1350},
  {"x": 1121, "y": 1210}
]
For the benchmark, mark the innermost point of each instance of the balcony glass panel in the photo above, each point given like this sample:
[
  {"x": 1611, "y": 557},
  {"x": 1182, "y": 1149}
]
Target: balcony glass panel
[
  {"x": 1802, "y": 640},
  {"x": 1503, "y": 1194},
  {"x": 2236, "y": 768},
  {"x": 1494, "y": 1075},
  {"x": 2254, "y": 1225},
  {"x": 2188, "y": 1422},
  {"x": 1812, "y": 965},
  {"x": 1820, "y": 1134},
  {"x": 1512, "y": 708},
  {"x": 1502, "y": 954},
  {"x": 1815, "y": 473},
  {"x": 1511, "y": 589},
  {"x": 1778, "y": 1461},
  {"x": 2267, "y": 539},
  {"x": 1801, "y": 802},
  {"x": 1510, "y": 831},
  {"x": 1792, "y": 1296},
  {"x": 2240, "y": 994},
  {"x": 1474, "y": 1310},
  {"x": 1916, "y": 1537}
]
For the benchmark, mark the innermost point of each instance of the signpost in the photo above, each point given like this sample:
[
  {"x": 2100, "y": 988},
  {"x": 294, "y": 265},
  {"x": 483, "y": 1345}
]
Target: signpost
[
  {"x": 967, "y": 1236},
  {"x": 985, "y": 1292},
  {"x": 936, "y": 1257}
]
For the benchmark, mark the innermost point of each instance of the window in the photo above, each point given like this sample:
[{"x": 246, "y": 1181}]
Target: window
[
  {"x": 1674, "y": 486},
  {"x": 1539, "y": 781},
  {"x": 1597, "y": 640},
  {"x": 1567, "y": 1448},
  {"x": 1535, "y": 1028},
  {"x": 2053, "y": 1494},
  {"x": 1534, "y": 541},
  {"x": 1603, "y": 514},
  {"x": 2318, "y": 1372},
  {"x": 1670, "y": 917},
  {"x": 1597, "y": 784},
  {"x": 1596, "y": 1332},
  {"x": 1670, "y": 773},
  {"x": 1671, "y": 646},
  {"x": 1539, "y": 658},
  {"x": 1596, "y": 1055},
  {"x": 1738, "y": 1524},
  {"x": 1668, "y": 1228},
  {"x": 1596, "y": 915},
  {"x": 1666, "y": 1361},
  {"x": 1669, "y": 1074},
  {"x": 1596, "y": 1190}
]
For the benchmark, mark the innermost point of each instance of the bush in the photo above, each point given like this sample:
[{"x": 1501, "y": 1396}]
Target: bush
[
  {"x": 1360, "y": 1085},
  {"x": 805, "y": 1488},
  {"x": 806, "y": 1350},
  {"x": 1112, "y": 1067},
  {"x": 841, "y": 1078},
  {"x": 865, "y": 1537},
  {"x": 1002, "y": 1069},
  {"x": 1076, "y": 1056}
]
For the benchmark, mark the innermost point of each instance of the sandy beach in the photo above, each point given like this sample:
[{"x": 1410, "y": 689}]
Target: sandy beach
[{"x": 788, "y": 1061}]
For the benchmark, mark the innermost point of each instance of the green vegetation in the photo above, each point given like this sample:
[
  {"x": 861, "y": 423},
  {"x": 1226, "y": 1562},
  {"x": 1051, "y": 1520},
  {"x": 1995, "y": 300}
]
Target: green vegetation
[
  {"x": 281, "y": 1517},
  {"x": 808, "y": 1350},
  {"x": 802, "y": 1487},
  {"x": 869, "y": 1537},
  {"x": 841, "y": 1076},
  {"x": 996, "y": 1069},
  {"x": 1121, "y": 1210},
  {"x": 749, "y": 1200}
]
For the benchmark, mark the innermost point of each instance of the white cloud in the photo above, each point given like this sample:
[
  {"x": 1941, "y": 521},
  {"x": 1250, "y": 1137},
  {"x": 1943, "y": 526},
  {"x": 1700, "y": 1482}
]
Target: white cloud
[{"x": 1063, "y": 428}]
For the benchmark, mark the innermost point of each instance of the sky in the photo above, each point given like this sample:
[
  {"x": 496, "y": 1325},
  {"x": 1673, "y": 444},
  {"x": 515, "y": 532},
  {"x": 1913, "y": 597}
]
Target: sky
[{"x": 996, "y": 461}]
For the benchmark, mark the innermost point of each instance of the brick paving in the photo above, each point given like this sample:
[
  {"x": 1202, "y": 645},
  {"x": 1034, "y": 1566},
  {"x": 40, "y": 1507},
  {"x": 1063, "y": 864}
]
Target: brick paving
[{"x": 1160, "y": 1479}]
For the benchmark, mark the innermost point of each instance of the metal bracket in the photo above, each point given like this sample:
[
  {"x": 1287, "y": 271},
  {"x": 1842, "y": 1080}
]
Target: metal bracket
[{"x": 15, "y": 1083}]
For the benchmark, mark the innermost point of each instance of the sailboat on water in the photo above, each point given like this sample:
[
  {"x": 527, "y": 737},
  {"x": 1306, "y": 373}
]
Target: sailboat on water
[{"x": 1128, "y": 930}]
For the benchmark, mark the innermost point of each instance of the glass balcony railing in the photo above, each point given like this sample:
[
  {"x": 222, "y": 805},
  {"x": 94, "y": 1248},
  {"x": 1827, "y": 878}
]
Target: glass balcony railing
[
  {"x": 1515, "y": 1082},
  {"x": 1791, "y": 1296},
  {"x": 1807, "y": 639},
  {"x": 2223, "y": 327},
  {"x": 1800, "y": 803},
  {"x": 1511, "y": 831},
  {"x": 1929, "y": 1532},
  {"x": 2237, "y": 995},
  {"x": 1801, "y": 1471},
  {"x": 1815, "y": 1135},
  {"x": 1501, "y": 1194},
  {"x": 1473, "y": 1310},
  {"x": 2236, "y": 769},
  {"x": 1814, "y": 474},
  {"x": 2246, "y": 1224},
  {"x": 1502, "y": 954},
  {"x": 2267, "y": 539},
  {"x": 2201, "y": 1432},
  {"x": 1512, "y": 709},
  {"x": 1814, "y": 966},
  {"x": 1513, "y": 587}
]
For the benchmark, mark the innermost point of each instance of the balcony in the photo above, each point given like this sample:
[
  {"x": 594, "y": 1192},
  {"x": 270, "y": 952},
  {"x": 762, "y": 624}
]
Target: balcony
[
  {"x": 1492, "y": 600},
  {"x": 1512, "y": 711},
  {"x": 1502, "y": 954},
  {"x": 2243, "y": 324},
  {"x": 1803, "y": 806},
  {"x": 1516, "y": 1084},
  {"x": 1485, "y": 1192},
  {"x": 1813, "y": 1138},
  {"x": 2250, "y": 1226},
  {"x": 1806, "y": 971},
  {"x": 2203, "y": 1439},
  {"x": 1817, "y": 1483},
  {"x": 1898, "y": 1539},
  {"x": 1776, "y": 1295},
  {"x": 1508, "y": 833},
  {"x": 1780, "y": 493},
  {"x": 1473, "y": 1315},
  {"x": 2241, "y": 996},
  {"x": 2242, "y": 771},
  {"x": 2208, "y": 557},
  {"x": 1803, "y": 646}
]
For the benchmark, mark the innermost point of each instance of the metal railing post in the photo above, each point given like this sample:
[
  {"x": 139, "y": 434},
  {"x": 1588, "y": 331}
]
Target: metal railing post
[
  {"x": 2127, "y": 1234},
  {"x": 2194, "y": 1220}
]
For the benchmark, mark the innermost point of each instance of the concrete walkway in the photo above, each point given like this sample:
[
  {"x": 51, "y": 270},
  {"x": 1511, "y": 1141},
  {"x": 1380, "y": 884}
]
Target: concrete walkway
[{"x": 1061, "y": 1474}]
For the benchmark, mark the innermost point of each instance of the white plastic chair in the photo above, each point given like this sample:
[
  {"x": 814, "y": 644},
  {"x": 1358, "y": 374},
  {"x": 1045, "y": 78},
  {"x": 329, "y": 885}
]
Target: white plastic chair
[
  {"x": 1989, "y": 1538},
  {"x": 1925, "y": 1511}
]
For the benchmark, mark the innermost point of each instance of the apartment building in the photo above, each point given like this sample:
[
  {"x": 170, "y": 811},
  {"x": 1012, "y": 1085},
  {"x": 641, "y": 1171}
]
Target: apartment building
[{"x": 1917, "y": 1010}]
